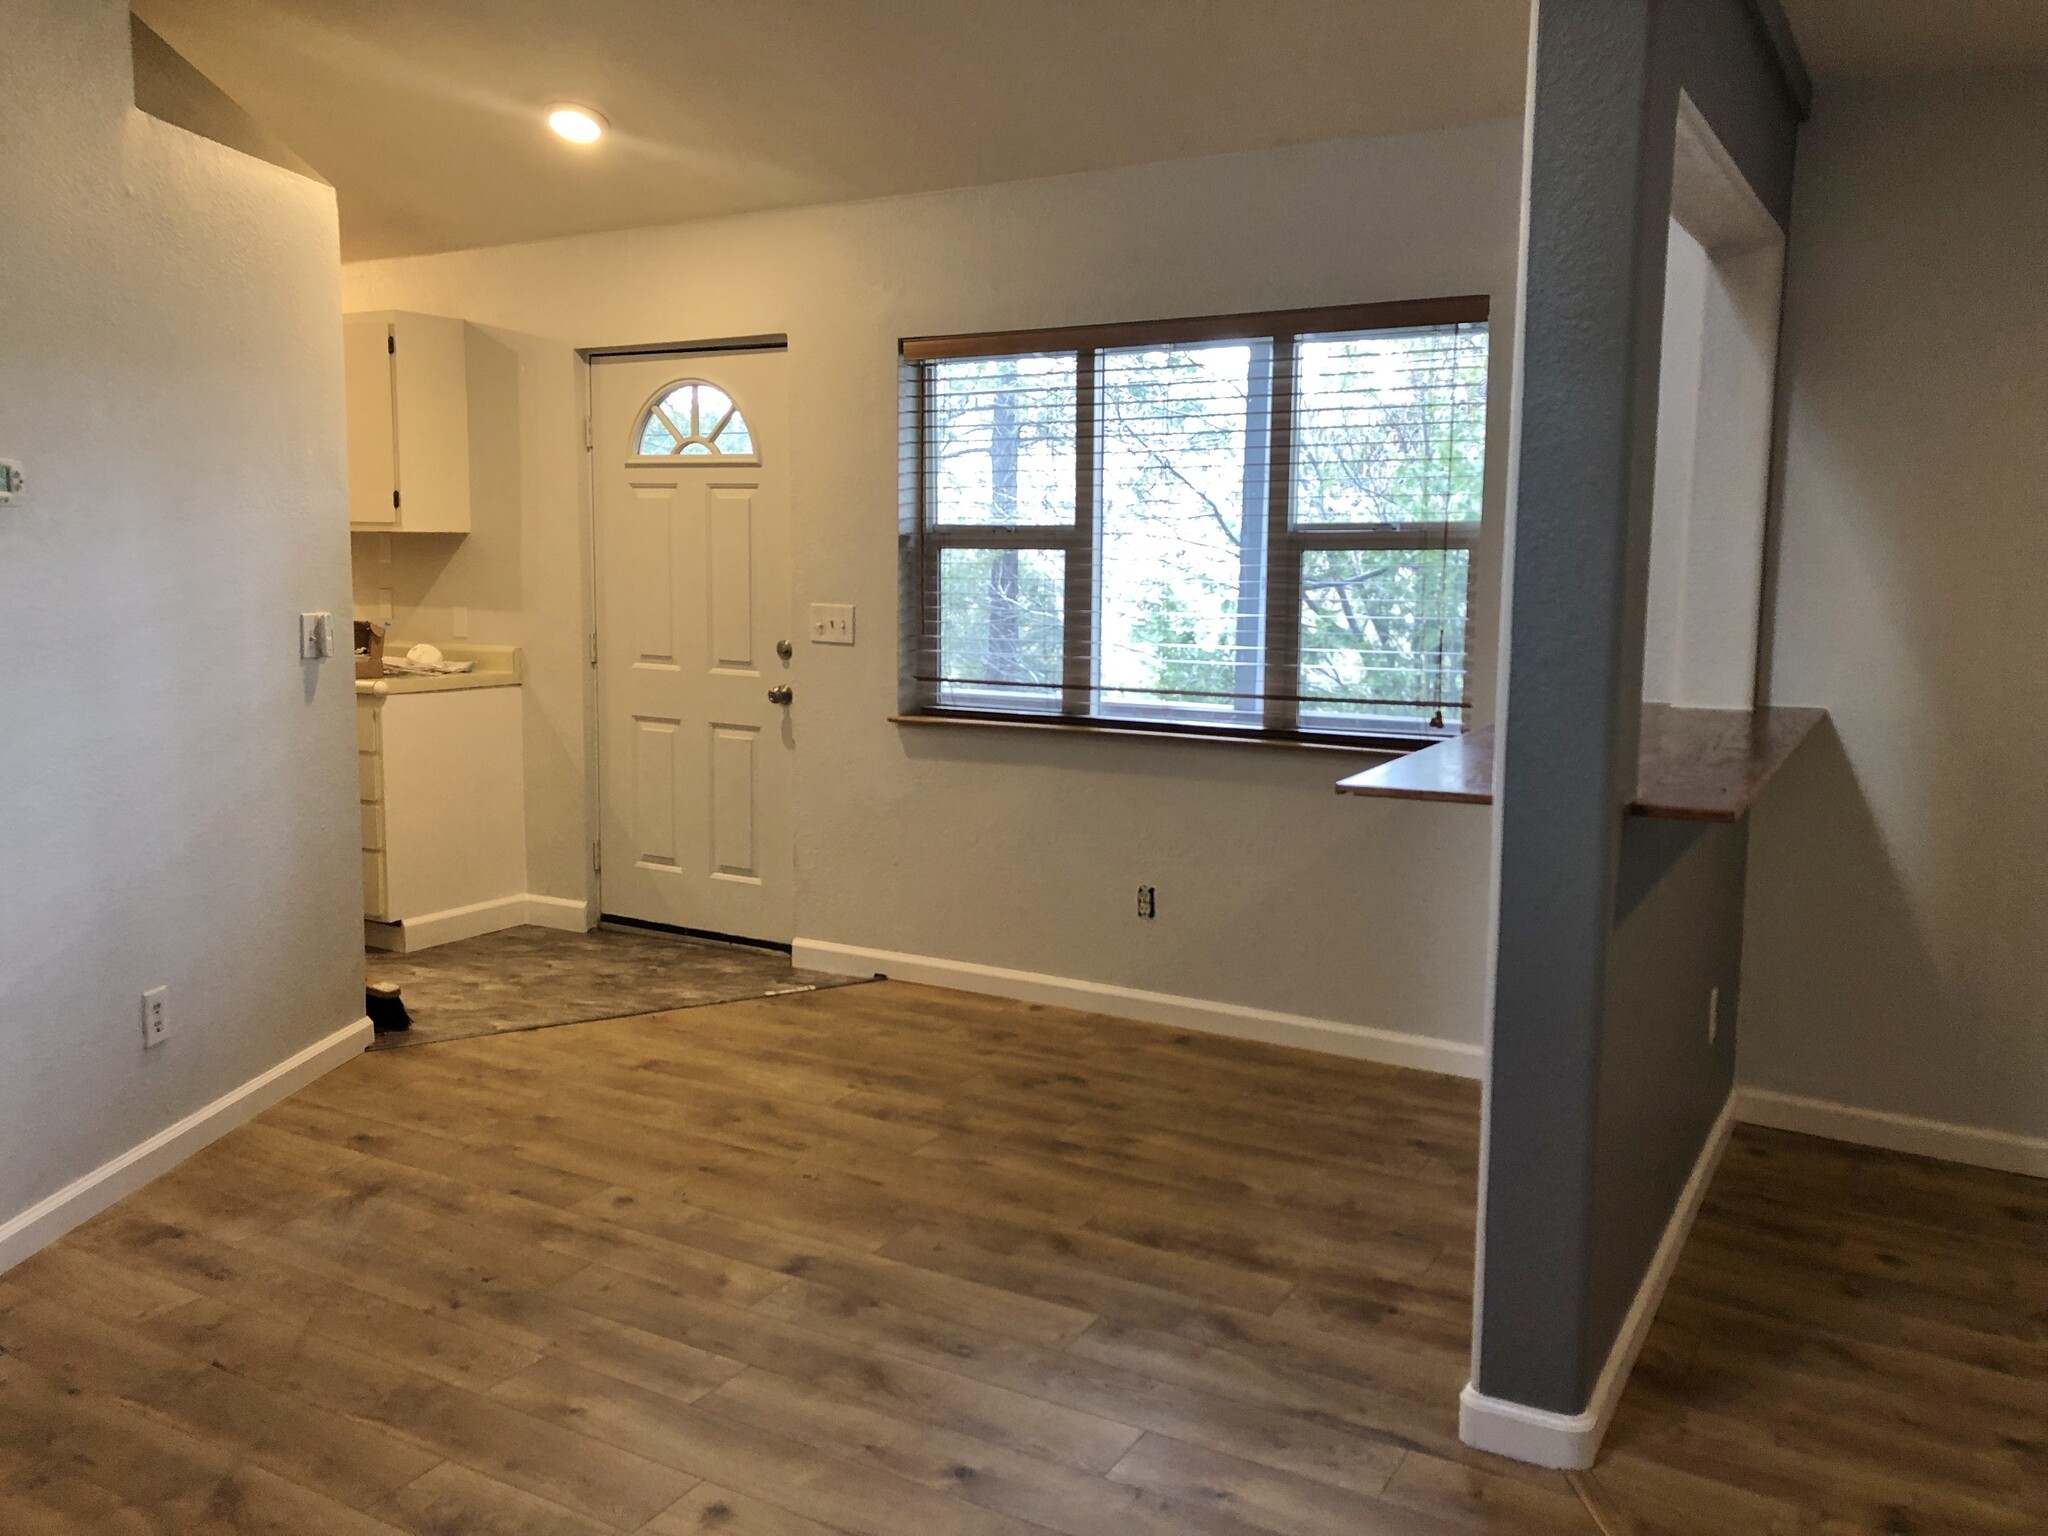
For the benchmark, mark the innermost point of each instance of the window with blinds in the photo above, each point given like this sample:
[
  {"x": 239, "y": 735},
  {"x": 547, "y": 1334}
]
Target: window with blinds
[{"x": 1251, "y": 525}]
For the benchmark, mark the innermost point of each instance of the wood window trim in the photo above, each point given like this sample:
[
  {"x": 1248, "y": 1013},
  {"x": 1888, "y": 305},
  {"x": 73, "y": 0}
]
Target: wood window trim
[
  {"x": 1078, "y": 541},
  {"x": 1462, "y": 309},
  {"x": 1356, "y": 743}
]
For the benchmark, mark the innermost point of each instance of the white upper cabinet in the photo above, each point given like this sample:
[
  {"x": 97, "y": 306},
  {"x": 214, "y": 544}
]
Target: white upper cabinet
[{"x": 408, "y": 423}]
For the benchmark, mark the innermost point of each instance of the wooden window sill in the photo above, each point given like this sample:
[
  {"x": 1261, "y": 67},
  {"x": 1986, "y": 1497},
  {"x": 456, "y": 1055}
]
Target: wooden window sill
[{"x": 1373, "y": 746}]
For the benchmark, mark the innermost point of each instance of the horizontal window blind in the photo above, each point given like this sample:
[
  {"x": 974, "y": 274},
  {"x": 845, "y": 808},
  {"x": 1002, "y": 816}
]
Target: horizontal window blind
[{"x": 1262, "y": 523}]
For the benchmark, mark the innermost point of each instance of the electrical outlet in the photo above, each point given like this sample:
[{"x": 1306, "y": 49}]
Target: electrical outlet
[
  {"x": 13, "y": 482},
  {"x": 1148, "y": 901},
  {"x": 458, "y": 622},
  {"x": 156, "y": 1017},
  {"x": 831, "y": 623},
  {"x": 1713, "y": 1015}
]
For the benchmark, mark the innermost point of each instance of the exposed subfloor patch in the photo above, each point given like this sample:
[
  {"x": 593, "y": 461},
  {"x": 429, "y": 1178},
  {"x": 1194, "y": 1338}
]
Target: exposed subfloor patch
[{"x": 533, "y": 978}]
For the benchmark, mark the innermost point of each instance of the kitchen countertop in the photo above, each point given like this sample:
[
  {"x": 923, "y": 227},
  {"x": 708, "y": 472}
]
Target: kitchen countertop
[
  {"x": 497, "y": 666},
  {"x": 1695, "y": 764}
]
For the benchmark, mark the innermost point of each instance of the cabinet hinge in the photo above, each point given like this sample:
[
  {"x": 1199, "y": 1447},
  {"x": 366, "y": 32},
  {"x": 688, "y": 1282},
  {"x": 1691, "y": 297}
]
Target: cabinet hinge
[
  {"x": 593, "y": 647},
  {"x": 597, "y": 858},
  {"x": 391, "y": 345},
  {"x": 589, "y": 437},
  {"x": 394, "y": 501}
]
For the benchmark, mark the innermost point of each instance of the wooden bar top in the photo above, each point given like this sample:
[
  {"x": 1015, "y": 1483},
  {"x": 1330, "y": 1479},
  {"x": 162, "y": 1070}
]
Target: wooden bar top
[{"x": 1694, "y": 764}]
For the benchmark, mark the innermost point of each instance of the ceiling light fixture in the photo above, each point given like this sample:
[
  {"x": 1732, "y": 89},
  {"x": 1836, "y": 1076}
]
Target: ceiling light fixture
[{"x": 579, "y": 125}]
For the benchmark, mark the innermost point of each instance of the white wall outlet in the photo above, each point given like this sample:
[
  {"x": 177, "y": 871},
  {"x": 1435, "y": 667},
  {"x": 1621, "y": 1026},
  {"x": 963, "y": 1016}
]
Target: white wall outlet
[
  {"x": 831, "y": 623},
  {"x": 156, "y": 1017},
  {"x": 13, "y": 482},
  {"x": 316, "y": 636},
  {"x": 458, "y": 622},
  {"x": 1713, "y": 1015},
  {"x": 1148, "y": 901}
]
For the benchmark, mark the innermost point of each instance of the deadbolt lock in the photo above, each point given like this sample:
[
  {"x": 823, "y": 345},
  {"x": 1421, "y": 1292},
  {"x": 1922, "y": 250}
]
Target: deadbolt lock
[
  {"x": 784, "y": 649},
  {"x": 781, "y": 693}
]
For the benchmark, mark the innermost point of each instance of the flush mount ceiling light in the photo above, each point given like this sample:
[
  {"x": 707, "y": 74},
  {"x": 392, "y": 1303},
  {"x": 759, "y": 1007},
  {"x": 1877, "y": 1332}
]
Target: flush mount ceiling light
[{"x": 579, "y": 125}]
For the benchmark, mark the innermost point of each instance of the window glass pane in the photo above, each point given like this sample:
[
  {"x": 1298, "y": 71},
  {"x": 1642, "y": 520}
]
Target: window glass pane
[
  {"x": 677, "y": 405},
  {"x": 1390, "y": 426},
  {"x": 1383, "y": 633},
  {"x": 712, "y": 404},
  {"x": 1001, "y": 618},
  {"x": 655, "y": 437},
  {"x": 687, "y": 420},
  {"x": 1000, "y": 440},
  {"x": 1182, "y": 520},
  {"x": 735, "y": 438}
]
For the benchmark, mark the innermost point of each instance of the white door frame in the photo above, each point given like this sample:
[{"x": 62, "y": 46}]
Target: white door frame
[{"x": 593, "y": 694}]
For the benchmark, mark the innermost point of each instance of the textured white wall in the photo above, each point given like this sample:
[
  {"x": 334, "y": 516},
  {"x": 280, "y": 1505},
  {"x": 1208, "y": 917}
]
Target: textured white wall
[
  {"x": 1008, "y": 848},
  {"x": 1898, "y": 925},
  {"x": 178, "y": 801},
  {"x": 1714, "y": 423}
]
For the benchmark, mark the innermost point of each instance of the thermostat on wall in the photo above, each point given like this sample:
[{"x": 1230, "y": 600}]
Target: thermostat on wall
[{"x": 12, "y": 483}]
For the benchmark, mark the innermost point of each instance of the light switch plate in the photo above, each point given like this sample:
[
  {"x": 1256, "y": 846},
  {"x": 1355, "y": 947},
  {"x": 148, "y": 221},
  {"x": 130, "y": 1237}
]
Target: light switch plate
[
  {"x": 316, "y": 636},
  {"x": 831, "y": 623}
]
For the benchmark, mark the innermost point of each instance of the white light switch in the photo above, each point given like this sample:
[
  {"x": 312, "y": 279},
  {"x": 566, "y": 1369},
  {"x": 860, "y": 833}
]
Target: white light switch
[
  {"x": 831, "y": 623},
  {"x": 316, "y": 636}
]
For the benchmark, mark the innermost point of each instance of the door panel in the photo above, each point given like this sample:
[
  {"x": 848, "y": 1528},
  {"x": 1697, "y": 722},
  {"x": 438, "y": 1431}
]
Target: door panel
[
  {"x": 731, "y": 585},
  {"x": 732, "y": 801},
  {"x": 653, "y": 818},
  {"x": 649, "y": 534},
  {"x": 693, "y": 596}
]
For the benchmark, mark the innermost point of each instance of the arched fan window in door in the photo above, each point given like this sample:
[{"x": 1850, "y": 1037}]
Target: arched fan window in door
[{"x": 694, "y": 419}]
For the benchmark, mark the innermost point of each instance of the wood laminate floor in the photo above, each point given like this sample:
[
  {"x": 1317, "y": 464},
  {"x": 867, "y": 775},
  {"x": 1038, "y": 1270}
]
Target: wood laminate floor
[{"x": 890, "y": 1261}]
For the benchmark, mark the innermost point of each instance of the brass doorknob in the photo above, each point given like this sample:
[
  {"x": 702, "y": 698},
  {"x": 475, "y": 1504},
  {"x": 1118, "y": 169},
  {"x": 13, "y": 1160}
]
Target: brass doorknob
[{"x": 781, "y": 693}]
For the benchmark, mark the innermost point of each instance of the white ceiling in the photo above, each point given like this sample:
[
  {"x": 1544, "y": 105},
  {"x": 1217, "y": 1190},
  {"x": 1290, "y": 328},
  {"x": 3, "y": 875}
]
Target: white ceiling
[
  {"x": 1864, "y": 39},
  {"x": 426, "y": 114}
]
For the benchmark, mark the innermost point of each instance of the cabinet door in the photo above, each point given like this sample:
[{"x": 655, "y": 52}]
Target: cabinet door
[
  {"x": 372, "y": 449},
  {"x": 430, "y": 377}
]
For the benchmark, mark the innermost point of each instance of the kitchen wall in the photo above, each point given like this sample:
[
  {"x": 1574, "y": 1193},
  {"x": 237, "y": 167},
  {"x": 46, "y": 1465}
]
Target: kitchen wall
[
  {"x": 178, "y": 784},
  {"x": 1003, "y": 848},
  {"x": 1898, "y": 918}
]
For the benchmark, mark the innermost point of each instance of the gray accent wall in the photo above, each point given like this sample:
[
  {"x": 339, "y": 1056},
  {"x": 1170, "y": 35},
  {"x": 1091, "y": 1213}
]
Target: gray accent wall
[
  {"x": 1676, "y": 941},
  {"x": 1610, "y": 932}
]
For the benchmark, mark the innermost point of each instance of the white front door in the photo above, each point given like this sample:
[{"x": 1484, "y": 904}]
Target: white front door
[{"x": 690, "y": 463}]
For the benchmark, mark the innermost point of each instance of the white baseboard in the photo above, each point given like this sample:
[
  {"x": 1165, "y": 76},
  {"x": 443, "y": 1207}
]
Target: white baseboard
[
  {"x": 1570, "y": 1442},
  {"x": 559, "y": 912},
  {"x": 2002, "y": 1150},
  {"x": 1565, "y": 1441},
  {"x": 82, "y": 1199},
  {"x": 434, "y": 928},
  {"x": 1358, "y": 1041}
]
